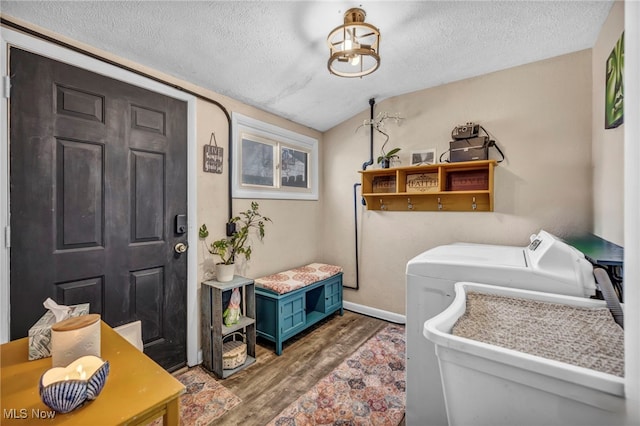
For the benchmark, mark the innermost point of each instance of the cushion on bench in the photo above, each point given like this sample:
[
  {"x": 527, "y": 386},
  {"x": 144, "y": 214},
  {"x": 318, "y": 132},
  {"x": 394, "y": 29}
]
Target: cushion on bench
[{"x": 293, "y": 279}]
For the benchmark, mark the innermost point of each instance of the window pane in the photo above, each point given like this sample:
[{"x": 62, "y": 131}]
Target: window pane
[
  {"x": 272, "y": 162},
  {"x": 294, "y": 168},
  {"x": 257, "y": 163}
]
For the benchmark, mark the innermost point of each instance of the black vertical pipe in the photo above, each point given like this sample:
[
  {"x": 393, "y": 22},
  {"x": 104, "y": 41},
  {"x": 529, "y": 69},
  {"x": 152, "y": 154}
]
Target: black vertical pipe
[
  {"x": 372, "y": 102},
  {"x": 230, "y": 227},
  {"x": 355, "y": 221}
]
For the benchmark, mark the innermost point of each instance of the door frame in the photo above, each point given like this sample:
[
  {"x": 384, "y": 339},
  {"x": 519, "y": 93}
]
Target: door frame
[{"x": 11, "y": 38}]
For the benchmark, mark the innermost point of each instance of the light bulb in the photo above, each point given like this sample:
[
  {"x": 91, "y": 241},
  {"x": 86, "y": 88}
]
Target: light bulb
[{"x": 353, "y": 44}]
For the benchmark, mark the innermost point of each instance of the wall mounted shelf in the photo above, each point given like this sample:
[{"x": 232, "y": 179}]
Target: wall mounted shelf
[{"x": 465, "y": 186}]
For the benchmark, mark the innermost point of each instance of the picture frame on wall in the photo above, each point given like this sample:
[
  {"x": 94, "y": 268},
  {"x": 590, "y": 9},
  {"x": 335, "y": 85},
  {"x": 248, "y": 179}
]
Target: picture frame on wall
[
  {"x": 424, "y": 157},
  {"x": 614, "y": 89}
]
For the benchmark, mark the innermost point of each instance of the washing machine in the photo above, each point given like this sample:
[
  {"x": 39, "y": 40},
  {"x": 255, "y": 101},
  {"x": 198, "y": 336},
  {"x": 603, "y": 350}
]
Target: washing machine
[{"x": 547, "y": 264}]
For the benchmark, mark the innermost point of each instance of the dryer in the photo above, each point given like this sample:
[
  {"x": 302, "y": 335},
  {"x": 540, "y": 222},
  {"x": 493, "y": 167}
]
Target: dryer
[{"x": 547, "y": 264}]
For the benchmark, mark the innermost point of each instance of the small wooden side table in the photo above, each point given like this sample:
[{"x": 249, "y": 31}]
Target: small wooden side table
[
  {"x": 214, "y": 330},
  {"x": 137, "y": 390}
]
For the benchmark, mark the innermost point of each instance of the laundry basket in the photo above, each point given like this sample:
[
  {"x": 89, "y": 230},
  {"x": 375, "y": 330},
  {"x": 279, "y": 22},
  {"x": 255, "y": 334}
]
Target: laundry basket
[
  {"x": 487, "y": 384},
  {"x": 234, "y": 352}
]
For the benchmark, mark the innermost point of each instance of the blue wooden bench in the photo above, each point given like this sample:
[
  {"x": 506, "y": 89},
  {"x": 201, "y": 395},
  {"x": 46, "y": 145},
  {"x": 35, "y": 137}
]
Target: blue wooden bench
[{"x": 285, "y": 306}]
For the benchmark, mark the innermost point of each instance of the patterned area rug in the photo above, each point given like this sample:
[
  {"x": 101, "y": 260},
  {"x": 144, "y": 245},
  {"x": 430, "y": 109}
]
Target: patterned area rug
[
  {"x": 368, "y": 388},
  {"x": 204, "y": 401}
]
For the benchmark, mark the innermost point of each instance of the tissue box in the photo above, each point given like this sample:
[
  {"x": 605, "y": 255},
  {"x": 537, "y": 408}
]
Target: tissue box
[{"x": 40, "y": 332}]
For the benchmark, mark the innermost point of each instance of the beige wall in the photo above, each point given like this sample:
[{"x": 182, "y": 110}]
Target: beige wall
[
  {"x": 608, "y": 145},
  {"x": 539, "y": 114},
  {"x": 292, "y": 238}
]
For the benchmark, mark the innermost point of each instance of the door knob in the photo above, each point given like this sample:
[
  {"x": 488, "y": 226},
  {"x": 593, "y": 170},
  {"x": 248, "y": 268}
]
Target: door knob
[{"x": 181, "y": 247}]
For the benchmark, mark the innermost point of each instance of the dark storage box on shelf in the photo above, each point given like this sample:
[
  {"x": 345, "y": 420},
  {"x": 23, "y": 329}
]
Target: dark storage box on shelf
[
  {"x": 384, "y": 184},
  {"x": 468, "y": 180}
]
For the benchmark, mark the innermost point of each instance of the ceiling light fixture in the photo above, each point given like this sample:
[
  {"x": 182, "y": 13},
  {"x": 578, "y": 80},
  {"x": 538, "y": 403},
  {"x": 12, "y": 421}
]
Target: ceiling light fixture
[{"x": 354, "y": 46}]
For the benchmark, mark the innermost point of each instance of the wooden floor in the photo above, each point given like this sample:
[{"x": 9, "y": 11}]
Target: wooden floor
[{"x": 273, "y": 382}]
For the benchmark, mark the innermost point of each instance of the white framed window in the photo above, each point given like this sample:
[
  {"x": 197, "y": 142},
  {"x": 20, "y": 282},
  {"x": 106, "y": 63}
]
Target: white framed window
[{"x": 272, "y": 162}]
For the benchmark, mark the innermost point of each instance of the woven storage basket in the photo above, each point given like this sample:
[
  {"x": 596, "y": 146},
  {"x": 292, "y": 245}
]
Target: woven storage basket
[{"x": 234, "y": 352}]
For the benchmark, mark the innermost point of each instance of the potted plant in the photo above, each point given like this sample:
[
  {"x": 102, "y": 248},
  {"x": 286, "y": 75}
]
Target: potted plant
[
  {"x": 378, "y": 124},
  {"x": 385, "y": 159},
  {"x": 235, "y": 244}
]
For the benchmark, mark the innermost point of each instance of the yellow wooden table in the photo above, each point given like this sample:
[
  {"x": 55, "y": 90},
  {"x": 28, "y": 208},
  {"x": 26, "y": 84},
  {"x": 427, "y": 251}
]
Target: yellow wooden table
[{"x": 137, "y": 390}]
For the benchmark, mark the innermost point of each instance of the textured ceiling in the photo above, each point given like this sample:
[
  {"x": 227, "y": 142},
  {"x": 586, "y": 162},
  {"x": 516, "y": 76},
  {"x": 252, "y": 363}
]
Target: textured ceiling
[{"x": 273, "y": 55}]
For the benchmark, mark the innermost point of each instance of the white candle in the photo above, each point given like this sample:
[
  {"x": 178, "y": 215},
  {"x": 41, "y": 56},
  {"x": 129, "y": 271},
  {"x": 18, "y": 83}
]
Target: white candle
[{"x": 74, "y": 338}]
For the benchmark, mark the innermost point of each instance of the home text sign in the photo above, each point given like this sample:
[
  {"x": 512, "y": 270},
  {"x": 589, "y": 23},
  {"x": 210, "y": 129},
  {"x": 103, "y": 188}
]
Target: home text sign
[{"x": 384, "y": 184}]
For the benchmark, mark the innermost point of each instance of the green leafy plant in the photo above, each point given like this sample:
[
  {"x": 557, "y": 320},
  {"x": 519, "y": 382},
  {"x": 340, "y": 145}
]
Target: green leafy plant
[
  {"x": 236, "y": 244},
  {"x": 389, "y": 155},
  {"x": 385, "y": 159}
]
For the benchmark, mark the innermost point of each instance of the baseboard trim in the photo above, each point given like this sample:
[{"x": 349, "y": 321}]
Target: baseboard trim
[{"x": 375, "y": 312}]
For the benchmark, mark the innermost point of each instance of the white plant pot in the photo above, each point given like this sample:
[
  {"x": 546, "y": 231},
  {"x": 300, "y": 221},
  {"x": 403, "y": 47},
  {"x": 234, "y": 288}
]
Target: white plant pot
[{"x": 224, "y": 273}]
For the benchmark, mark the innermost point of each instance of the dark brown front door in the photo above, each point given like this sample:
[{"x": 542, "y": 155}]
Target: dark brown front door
[{"x": 98, "y": 175}]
